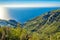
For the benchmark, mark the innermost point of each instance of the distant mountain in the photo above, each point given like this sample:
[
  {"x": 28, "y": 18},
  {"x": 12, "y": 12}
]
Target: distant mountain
[
  {"x": 48, "y": 22},
  {"x": 10, "y": 23},
  {"x": 13, "y": 22}
]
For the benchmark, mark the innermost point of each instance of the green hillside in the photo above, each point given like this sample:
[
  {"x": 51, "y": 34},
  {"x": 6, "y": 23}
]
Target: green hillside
[
  {"x": 47, "y": 24},
  {"x": 46, "y": 19},
  {"x": 44, "y": 27}
]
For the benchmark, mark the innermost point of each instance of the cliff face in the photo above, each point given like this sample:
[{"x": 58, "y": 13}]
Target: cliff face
[{"x": 47, "y": 21}]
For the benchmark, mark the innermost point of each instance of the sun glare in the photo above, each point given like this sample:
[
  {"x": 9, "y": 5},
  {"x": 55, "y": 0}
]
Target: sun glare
[{"x": 3, "y": 13}]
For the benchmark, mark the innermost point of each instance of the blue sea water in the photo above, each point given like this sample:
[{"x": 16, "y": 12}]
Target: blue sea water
[{"x": 24, "y": 14}]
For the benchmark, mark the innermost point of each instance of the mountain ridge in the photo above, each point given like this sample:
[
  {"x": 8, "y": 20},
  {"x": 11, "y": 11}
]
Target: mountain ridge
[{"x": 46, "y": 18}]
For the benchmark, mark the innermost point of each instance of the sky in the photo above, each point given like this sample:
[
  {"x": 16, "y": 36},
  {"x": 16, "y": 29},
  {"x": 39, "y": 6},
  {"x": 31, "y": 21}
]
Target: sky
[
  {"x": 24, "y": 10},
  {"x": 29, "y": 0}
]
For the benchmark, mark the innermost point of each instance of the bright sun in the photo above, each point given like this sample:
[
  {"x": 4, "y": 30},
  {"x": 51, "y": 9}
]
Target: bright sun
[{"x": 3, "y": 13}]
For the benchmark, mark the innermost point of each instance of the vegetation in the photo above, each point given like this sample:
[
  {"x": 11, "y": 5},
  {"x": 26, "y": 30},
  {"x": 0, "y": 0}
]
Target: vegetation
[{"x": 44, "y": 27}]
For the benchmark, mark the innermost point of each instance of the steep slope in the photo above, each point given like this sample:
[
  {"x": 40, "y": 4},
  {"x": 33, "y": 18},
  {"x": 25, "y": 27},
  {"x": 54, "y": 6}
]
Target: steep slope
[
  {"x": 47, "y": 26},
  {"x": 45, "y": 21}
]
